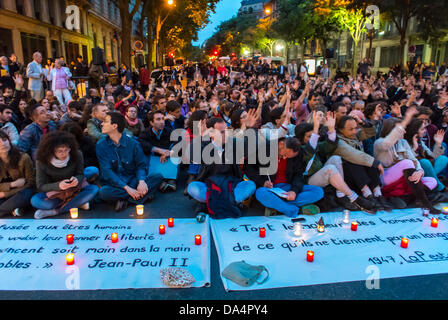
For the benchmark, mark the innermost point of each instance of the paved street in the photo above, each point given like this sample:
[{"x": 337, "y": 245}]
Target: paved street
[{"x": 421, "y": 287}]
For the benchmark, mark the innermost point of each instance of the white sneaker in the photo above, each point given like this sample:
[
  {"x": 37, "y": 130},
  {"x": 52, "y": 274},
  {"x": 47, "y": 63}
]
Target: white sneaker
[
  {"x": 39, "y": 214},
  {"x": 85, "y": 206}
]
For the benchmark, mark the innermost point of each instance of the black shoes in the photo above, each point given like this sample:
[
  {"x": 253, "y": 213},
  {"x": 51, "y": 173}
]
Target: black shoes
[
  {"x": 365, "y": 205},
  {"x": 398, "y": 203},
  {"x": 121, "y": 205},
  {"x": 384, "y": 203}
]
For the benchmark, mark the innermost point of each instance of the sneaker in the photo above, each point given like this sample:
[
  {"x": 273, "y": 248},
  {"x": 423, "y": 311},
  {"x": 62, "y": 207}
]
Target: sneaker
[
  {"x": 85, "y": 206},
  {"x": 398, "y": 203},
  {"x": 121, "y": 205},
  {"x": 365, "y": 205},
  {"x": 384, "y": 203},
  {"x": 40, "y": 214},
  {"x": 163, "y": 187},
  {"x": 18, "y": 212},
  {"x": 171, "y": 185},
  {"x": 310, "y": 210}
]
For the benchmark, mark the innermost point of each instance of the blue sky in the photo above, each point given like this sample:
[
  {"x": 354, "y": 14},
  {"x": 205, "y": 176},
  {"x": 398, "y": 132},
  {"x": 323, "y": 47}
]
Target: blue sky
[{"x": 225, "y": 9}]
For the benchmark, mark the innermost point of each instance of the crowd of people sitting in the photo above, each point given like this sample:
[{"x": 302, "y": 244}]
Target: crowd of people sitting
[{"x": 367, "y": 142}]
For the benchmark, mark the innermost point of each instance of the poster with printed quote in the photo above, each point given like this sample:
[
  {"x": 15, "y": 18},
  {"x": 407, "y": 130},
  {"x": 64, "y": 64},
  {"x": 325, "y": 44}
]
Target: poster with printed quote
[
  {"x": 371, "y": 252},
  {"x": 33, "y": 253}
]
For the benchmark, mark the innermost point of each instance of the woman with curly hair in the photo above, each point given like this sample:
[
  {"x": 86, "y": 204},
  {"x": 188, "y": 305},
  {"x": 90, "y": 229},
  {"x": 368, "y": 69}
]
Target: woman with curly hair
[
  {"x": 16, "y": 178},
  {"x": 59, "y": 176}
]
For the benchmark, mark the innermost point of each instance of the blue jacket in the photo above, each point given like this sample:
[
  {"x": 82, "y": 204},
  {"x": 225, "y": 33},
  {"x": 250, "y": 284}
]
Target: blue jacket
[
  {"x": 120, "y": 164},
  {"x": 31, "y": 136}
]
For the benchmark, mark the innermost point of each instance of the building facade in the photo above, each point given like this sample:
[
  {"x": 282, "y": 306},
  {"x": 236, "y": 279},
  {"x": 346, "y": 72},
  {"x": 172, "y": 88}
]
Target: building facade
[{"x": 27, "y": 26}]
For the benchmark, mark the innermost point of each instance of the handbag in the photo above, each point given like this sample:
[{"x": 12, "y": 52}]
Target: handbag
[
  {"x": 244, "y": 274},
  {"x": 66, "y": 195}
]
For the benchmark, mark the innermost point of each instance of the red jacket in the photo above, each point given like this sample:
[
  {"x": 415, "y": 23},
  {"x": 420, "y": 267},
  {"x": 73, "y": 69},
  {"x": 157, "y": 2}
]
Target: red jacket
[
  {"x": 145, "y": 77},
  {"x": 397, "y": 189}
]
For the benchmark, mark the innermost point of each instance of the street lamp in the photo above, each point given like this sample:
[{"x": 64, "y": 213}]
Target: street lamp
[
  {"x": 159, "y": 27},
  {"x": 170, "y": 2}
]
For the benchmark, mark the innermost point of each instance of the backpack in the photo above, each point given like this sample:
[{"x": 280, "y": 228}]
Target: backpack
[{"x": 221, "y": 202}]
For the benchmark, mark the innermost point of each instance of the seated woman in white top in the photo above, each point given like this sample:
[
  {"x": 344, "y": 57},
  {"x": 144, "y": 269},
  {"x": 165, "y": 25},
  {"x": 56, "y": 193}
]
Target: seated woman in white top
[{"x": 399, "y": 160}]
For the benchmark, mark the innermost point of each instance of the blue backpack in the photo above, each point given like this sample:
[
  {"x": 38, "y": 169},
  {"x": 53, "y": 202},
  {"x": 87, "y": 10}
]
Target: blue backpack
[{"x": 221, "y": 202}]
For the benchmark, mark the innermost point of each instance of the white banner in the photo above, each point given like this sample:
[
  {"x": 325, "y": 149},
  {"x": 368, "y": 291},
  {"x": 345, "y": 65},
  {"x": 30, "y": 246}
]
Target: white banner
[
  {"x": 371, "y": 253},
  {"x": 33, "y": 253}
]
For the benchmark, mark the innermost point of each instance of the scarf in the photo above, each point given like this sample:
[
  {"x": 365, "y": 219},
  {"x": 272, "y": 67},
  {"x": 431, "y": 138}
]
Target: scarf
[
  {"x": 60, "y": 163},
  {"x": 131, "y": 122}
]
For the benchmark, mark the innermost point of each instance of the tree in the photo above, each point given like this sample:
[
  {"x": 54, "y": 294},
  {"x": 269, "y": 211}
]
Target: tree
[
  {"x": 127, "y": 14},
  {"x": 354, "y": 21},
  {"x": 429, "y": 14}
]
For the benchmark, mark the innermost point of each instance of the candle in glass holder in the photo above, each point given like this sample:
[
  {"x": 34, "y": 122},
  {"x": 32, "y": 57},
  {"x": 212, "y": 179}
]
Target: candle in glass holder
[
  {"x": 162, "y": 229},
  {"x": 140, "y": 209},
  {"x": 114, "y": 237},
  {"x": 298, "y": 229},
  {"x": 74, "y": 213},
  {"x": 404, "y": 242},
  {"x": 262, "y": 232},
  {"x": 70, "y": 258},
  {"x": 310, "y": 256},
  {"x": 354, "y": 226},
  {"x": 170, "y": 222},
  {"x": 346, "y": 219},
  {"x": 70, "y": 239},
  {"x": 197, "y": 239},
  {"x": 434, "y": 222},
  {"x": 445, "y": 209}
]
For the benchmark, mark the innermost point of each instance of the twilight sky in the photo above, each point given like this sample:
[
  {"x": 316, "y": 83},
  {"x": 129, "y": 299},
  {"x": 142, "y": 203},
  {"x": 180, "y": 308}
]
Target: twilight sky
[{"x": 225, "y": 9}]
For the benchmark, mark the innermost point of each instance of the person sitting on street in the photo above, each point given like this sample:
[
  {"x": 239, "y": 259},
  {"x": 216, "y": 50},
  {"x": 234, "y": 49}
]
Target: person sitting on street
[
  {"x": 17, "y": 178},
  {"x": 59, "y": 177},
  {"x": 123, "y": 169}
]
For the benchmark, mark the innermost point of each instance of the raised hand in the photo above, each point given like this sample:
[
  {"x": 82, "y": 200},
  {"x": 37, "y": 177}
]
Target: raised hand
[
  {"x": 438, "y": 137},
  {"x": 330, "y": 121}
]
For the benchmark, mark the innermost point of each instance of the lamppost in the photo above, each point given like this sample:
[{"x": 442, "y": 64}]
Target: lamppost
[{"x": 160, "y": 23}]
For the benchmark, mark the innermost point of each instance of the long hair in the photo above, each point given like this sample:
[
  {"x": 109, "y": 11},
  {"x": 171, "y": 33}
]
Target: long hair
[
  {"x": 198, "y": 115},
  {"x": 14, "y": 154},
  {"x": 52, "y": 140},
  {"x": 388, "y": 126},
  {"x": 412, "y": 129}
]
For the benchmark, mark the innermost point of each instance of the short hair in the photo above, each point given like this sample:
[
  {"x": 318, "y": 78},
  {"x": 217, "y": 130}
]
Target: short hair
[
  {"x": 172, "y": 105},
  {"x": 292, "y": 144},
  {"x": 341, "y": 123},
  {"x": 118, "y": 119},
  {"x": 157, "y": 98},
  {"x": 95, "y": 107},
  {"x": 3, "y": 107},
  {"x": 213, "y": 121},
  {"x": 370, "y": 108},
  {"x": 424, "y": 110},
  {"x": 338, "y": 105},
  {"x": 152, "y": 114},
  {"x": 31, "y": 109}
]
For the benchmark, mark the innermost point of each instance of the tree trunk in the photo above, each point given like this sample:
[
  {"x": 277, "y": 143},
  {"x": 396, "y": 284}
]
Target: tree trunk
[
  {"x": 402, "y": 46},
  {"x": 126, "y": 29},
  {"x": 150, "y": 46},
  {"x": 354, "y": 67},
  {"x": 371, "y": 35}
]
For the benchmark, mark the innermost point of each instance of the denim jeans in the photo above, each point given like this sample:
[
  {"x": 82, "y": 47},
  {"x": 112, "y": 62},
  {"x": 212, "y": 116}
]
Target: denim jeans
[
  {"x": 243, "y": 190},
  {"x": 309, "y": 194},
  {"x": 19, "y": 200},
  {"x": 440, "y": 164},
  {"x": 111, "y": 194},
  {"x": 40, "y": 201}
]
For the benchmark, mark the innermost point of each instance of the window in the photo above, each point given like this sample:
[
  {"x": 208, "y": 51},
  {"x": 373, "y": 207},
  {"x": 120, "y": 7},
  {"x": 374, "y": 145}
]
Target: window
[
  {"x": 71, "y": 51},
  {"x": 20, "y": 7},
  {"x": 5, "y": 42},
  {"x": 389, "y": 57},
  {"x": 37, "y": 9},
  {"x": 32, "y": 43},
  {"x": 251, "y": 10}
]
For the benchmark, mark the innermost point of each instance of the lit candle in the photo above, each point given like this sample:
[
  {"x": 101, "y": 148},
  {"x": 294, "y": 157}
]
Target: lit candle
[
  {"x": 404, "y": 242},
  {"x": 354, "y": 226},
  {"x": 197, "y": 239},
  {"x": 434, "y": 222},
  {"x": 346, "y": 216},
  {"x": 162, "y": 229},
  {"x": 170, "y": 222},
  {"x": 70, "y": 239},
  {"x": 310, "y": 256},
  {"x": 262, "y": 232},
  {"x": 320, "y": 228},
  {"x": 140, "y": 209},
  {"x": 114, "y": 237},
  {"x": 297, "y": 229},
  {"x": 445, "y": 209},
  {"x": 74, "y": 213},
  {"x": 70, "y": 258}
]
